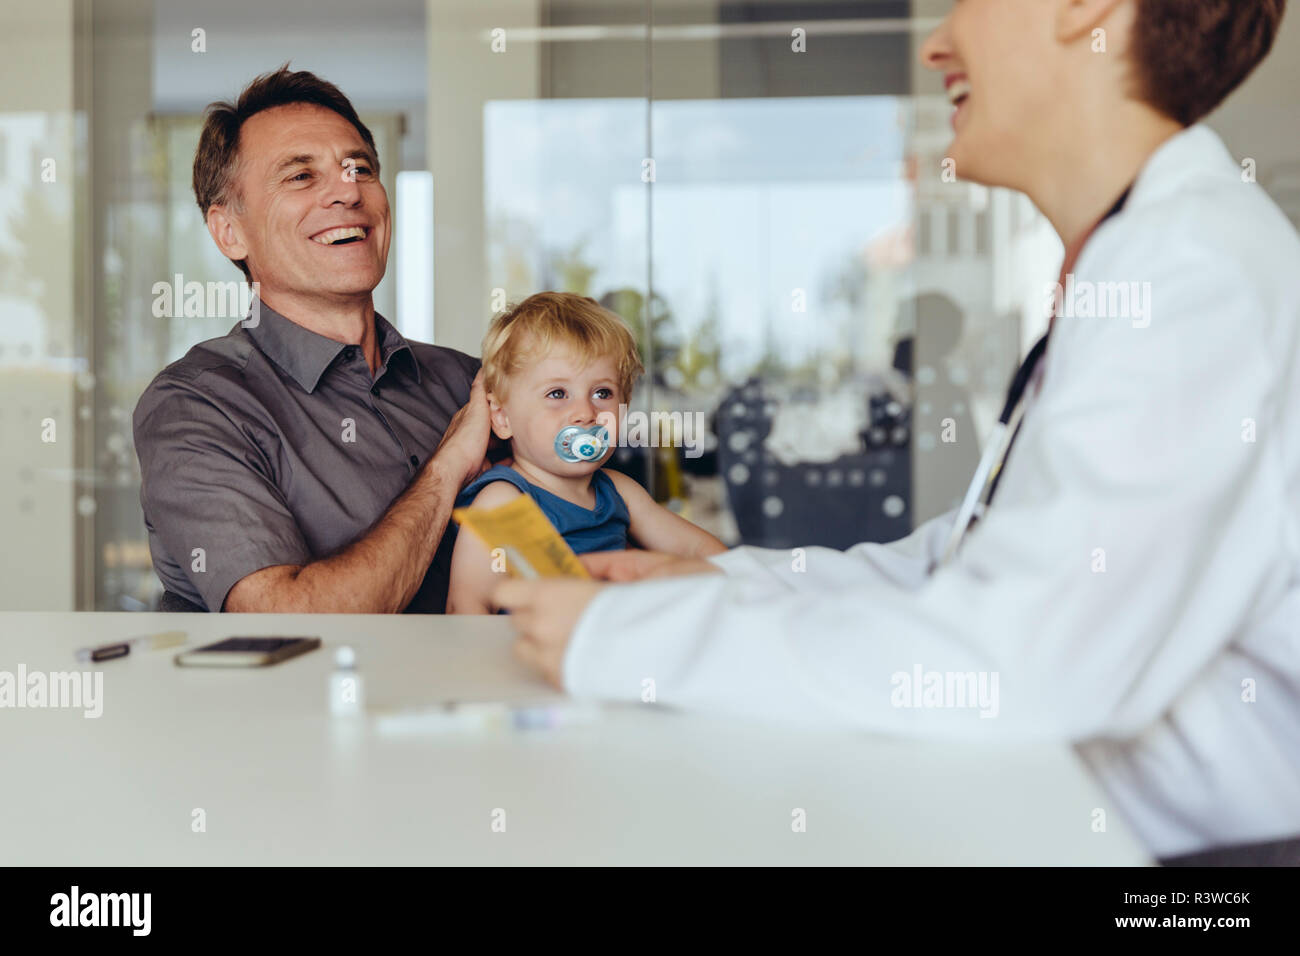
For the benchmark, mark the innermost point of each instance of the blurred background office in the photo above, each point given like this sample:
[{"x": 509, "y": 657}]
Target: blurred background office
[{"x": 757, "y": 187}]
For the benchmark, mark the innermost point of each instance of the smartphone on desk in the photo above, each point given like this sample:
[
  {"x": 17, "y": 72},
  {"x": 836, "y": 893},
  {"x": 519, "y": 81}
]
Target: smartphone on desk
[{"x": 247, "y": 652}]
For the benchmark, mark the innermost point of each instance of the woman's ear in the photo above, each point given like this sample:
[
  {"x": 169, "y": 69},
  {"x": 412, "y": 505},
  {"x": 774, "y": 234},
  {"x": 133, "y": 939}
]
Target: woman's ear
[
  {"x": 500, "y": 420},
  {"x": 1079, "y": 18}
]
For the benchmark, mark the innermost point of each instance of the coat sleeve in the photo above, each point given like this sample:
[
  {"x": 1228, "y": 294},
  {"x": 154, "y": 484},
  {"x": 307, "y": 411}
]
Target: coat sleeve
[
  {"x": 906, "y": 562},
  {"x": 1125, "y": 550}
]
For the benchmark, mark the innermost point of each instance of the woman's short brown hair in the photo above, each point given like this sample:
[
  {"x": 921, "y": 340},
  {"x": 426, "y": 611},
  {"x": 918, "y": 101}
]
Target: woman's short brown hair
[
  {"x": 217, "y": 157},
  {"x": 1190, "y": 54}
]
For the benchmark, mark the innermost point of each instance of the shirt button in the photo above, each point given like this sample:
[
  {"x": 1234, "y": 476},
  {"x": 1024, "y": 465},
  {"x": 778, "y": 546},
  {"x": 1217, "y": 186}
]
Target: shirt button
[{"x": 414, "y": 461}]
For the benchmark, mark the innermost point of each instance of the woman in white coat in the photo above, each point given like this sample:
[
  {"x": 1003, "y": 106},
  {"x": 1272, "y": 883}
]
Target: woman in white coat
[{"x": 1134, "y": 586}]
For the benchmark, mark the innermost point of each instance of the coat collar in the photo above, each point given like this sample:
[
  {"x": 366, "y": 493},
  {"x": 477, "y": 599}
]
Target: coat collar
[{"x": 1197, "y": 152}]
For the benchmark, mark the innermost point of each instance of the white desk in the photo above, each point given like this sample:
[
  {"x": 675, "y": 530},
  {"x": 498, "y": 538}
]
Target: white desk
[{"x": 282, "y": 782}]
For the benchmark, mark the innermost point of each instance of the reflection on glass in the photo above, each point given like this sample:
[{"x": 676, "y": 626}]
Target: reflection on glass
[{"x": 768, "y": 217}]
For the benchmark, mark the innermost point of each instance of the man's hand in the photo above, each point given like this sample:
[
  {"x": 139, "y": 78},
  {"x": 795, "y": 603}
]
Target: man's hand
[
  {"x": 637, "y": 565},
  {"x": 544, "y": 613},
  {"x": 381, "y": 571},
  {"x": 464, "y": 444}
]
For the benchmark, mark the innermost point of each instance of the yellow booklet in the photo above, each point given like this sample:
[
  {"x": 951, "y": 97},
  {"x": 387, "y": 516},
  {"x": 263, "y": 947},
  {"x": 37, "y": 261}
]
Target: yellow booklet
[{"x": 528, "y": 542}]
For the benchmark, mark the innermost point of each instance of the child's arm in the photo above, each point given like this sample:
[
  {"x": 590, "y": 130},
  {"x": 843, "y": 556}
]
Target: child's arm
[
  {"x": 658, "y": 529},
  {"x": 472, "y": 577}
]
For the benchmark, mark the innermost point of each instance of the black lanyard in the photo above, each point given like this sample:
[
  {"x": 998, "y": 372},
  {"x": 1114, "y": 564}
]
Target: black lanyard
[
  {"x": 997, "y": 450},
  {"x": 1020, "y": 381}
]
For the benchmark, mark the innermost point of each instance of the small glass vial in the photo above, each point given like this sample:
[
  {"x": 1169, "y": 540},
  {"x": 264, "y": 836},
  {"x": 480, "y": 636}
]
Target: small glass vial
[{"x": 346, "y": 696}]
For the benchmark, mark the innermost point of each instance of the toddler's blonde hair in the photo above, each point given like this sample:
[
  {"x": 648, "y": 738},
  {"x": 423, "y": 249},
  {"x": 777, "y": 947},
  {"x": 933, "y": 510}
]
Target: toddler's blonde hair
[{"x": 529, "y": 331}]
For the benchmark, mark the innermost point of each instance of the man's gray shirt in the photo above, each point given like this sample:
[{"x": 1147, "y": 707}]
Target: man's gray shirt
[{"x": 274, "y": 445}]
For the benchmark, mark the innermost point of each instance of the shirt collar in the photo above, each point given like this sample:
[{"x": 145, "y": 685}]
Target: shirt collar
[
  {"x": 305, "y": 355},
  {"x": 392, "y": 343}
]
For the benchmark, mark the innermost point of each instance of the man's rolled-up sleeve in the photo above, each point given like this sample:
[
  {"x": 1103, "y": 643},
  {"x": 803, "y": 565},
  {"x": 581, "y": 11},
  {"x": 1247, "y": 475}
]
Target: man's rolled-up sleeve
[{"x": 208, "y": 493}]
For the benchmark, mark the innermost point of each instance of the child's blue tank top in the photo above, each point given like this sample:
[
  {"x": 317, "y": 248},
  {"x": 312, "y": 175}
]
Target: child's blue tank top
[{"x": 603, "y": 528}]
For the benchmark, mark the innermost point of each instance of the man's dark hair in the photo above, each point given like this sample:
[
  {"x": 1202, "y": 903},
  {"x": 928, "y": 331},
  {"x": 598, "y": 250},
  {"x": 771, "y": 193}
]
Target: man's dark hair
[
  {"x": 1190, "y": 54},
  {"x": 217, "y": 157}
]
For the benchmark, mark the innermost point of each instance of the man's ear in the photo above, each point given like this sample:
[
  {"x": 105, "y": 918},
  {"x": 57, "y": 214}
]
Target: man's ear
[
  {"x": 226, "y": 233},
  {"x": 500, "y": 421},
  {"x": 1079, "y": 18}
]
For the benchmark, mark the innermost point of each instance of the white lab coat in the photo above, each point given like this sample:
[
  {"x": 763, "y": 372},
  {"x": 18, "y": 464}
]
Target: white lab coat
[{"x": 1176, "y": 669}]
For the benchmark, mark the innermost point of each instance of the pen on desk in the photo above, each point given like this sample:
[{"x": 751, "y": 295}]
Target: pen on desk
[
  {"x": 108, "y": 652},
  {"x": 479, "y": 716}
]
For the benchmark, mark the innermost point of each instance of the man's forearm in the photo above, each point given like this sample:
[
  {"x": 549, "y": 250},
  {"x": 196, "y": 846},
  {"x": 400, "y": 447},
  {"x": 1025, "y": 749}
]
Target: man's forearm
[
  {"x": 385, "y": 567},
  {"x": 380, "y": 572}
]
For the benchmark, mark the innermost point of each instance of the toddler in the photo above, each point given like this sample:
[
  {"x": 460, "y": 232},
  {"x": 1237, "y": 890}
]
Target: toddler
[{"x": 558, "y": 360}]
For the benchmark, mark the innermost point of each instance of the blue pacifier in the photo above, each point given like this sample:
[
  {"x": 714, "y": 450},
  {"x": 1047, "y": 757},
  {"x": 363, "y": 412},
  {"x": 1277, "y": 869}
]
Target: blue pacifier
[{"x": 575, "y": 443}]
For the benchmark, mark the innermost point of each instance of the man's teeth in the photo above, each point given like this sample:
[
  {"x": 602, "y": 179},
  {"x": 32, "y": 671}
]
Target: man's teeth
[
  {"x": 958, "y": 92},
  {"x": 334, "y": 235}
]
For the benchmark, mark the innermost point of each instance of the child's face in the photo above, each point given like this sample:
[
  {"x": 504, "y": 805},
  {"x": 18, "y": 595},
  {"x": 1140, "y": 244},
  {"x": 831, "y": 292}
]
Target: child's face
[{"x": 547, "y": 396}]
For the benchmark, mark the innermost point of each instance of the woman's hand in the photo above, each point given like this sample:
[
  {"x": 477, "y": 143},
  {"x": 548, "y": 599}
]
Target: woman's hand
[
  {"x": 637, "y": 565},
  {"x": 544, "y": 612}
]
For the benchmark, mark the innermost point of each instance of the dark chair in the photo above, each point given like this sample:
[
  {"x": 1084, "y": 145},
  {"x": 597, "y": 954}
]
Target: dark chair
[
  {"x": 175, "y": 604},
  {"x": 861, "y": 496},
  {"x": 1272, "y": 853}
]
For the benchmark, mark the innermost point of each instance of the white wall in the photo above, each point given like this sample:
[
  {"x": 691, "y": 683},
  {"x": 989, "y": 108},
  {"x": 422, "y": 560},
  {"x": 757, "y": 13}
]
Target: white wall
[
  {"x": 37, "y": 380},
  {"x": 464, "y": 74}
]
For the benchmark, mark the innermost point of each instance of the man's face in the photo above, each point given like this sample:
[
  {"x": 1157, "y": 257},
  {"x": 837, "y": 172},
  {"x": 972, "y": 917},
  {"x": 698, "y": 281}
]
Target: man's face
[
  {"x": 999, "y": 60},
  {"x": 555, "y": 392},
  {"x": 307, "y": 177}
]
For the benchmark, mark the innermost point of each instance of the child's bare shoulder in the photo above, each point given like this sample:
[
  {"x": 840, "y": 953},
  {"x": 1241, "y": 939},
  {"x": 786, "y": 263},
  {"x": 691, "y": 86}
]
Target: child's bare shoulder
[
  {"x": 495, "y": 493},
  {"x": 625, "y": 486},
  {"x": 628, "y": 489}
]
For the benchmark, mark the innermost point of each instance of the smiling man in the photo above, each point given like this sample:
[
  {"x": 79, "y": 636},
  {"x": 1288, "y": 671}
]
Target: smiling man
[{"x": 290, "y": 465}]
